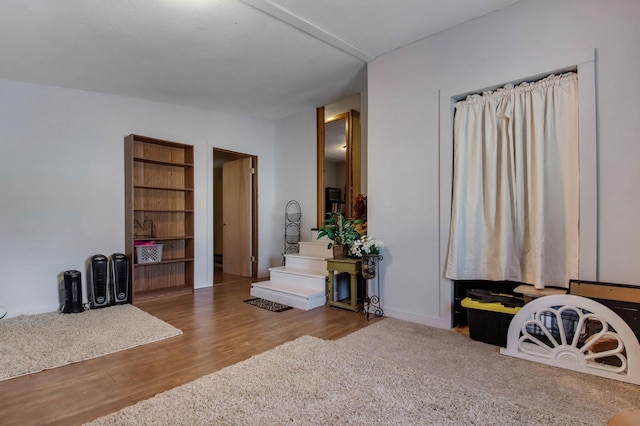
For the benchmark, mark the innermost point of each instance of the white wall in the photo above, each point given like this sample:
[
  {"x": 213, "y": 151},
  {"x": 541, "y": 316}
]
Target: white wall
[
  {"x": 526, "y": 39},
  {"x": 296, "y": 170},
  {"x": 62, "y": 182}
]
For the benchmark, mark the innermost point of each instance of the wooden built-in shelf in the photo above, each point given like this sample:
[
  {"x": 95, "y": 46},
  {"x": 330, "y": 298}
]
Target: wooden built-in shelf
[{"x": 159, "y": 190}]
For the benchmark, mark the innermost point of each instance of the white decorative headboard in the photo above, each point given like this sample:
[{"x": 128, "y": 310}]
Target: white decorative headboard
[{"x": 575, "y": 333}]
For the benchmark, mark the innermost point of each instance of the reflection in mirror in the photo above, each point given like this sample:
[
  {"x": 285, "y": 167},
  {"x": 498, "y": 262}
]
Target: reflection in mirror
[
  {"x": 335, "y": 164},
  {"x": 339, "y": 159}
]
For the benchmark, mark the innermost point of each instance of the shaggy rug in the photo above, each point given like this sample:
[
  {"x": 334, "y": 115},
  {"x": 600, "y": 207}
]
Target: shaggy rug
[
  {"x": 310, "y": 381},
  {"x": 32, "y": 343},
  {"x": 456, "y": 358},
  {"x": 267, "y": 304}
]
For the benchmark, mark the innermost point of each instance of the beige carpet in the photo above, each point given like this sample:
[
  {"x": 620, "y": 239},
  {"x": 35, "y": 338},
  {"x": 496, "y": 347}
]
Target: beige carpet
[
  {"x": 448, "y": 354},
  {"x": 310, "y": 381},
  {"x": 32, "y": 343}
]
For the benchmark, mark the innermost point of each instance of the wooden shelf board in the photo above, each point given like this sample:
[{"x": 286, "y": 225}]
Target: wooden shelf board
[
  {"x": 160, "y": 162},
  {"x": 164, "y": 188},
  {"x": 180, "y": 260},
  {"x": 173, "y": 237},
  {"x": 345, "y": 305},
  {"x": 162, "y": 211}
]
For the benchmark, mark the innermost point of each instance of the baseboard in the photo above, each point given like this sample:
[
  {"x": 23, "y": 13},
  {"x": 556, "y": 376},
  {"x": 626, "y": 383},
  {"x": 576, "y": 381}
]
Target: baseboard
[{"x": 444, "y": 323}]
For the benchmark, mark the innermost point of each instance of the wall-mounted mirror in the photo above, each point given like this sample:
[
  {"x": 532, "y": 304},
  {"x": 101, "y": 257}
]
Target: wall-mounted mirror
[{"x": 339, "y": 158}]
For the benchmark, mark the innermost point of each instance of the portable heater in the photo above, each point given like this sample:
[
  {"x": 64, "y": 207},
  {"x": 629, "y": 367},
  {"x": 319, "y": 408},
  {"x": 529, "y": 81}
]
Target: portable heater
[
  {"x": 72, "y": 292},
  {"x": 98, "y": 281},
  {"x": 119, "y": 278}
]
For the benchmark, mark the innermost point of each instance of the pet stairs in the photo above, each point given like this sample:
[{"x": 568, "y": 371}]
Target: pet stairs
[{"x": 302, "y": 282}]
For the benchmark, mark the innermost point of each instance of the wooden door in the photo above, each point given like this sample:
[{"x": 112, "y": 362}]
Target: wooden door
[{"x": 236, "y": 217}]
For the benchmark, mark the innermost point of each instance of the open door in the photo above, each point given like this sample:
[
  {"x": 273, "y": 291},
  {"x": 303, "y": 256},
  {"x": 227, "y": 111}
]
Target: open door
[{"x": 237, "y": 217}]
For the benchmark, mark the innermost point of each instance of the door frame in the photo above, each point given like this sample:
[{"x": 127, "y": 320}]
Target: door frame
[{"x": 254, "y": 204}]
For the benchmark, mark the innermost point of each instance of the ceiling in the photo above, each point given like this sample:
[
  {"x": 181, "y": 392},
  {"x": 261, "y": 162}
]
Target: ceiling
[{"x": 260, "y": 58}]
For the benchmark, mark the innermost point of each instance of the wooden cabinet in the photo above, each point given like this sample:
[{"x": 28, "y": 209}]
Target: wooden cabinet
[
  {"x": 353, "y": 267},
  {"x": 159, "y": 207}
]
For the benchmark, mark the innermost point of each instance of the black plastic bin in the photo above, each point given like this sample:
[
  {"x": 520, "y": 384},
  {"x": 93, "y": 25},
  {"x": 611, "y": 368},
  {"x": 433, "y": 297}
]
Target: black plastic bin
[{"x": 489, "y": 321}]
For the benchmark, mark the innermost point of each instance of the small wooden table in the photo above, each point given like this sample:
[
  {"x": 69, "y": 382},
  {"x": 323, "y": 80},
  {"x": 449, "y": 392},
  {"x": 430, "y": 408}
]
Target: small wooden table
[{"x": 351, "y": 266}]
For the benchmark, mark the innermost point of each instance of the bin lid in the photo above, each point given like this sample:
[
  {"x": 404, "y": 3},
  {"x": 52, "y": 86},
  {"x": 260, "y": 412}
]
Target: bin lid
[
  {"x": 489, "y": 296},
  {"x": 469, "y": 303}
]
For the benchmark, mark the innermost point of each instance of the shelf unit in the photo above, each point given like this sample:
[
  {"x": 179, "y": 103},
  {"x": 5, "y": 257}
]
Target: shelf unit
[
  {"x": 333, "y": 200},
  {"x": 159, "y": 189}
]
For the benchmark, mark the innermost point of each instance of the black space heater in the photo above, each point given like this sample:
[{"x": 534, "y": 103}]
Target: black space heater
[
  {"x": 72, "y": 292},
  {"x": 119, "y": 287},
  {"x": 98, "y": 281}
]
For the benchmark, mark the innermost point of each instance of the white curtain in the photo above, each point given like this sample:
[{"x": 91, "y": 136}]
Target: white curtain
[{"x": 515, "y": 208}]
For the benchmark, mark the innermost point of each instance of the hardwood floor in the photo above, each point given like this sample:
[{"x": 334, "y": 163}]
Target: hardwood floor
[{"x": 219, "y": 330}]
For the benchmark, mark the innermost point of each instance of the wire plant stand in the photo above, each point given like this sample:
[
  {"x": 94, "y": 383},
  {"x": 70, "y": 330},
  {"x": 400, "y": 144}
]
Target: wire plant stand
[
  {"x": 371, "y": 302},
  {"x": 292, "y": 221}
]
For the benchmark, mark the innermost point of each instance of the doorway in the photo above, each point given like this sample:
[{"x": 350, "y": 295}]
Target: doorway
[{"x": 235, "y": 213}]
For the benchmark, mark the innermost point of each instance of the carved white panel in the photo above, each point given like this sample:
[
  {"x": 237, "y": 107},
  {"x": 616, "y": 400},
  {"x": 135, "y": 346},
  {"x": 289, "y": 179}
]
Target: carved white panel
[{"x": 575, "y": 333}]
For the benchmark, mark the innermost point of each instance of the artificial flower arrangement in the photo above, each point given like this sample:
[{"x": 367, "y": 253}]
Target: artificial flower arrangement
[
  {"x": 339, "y": 230},
  {"x": 360, "y": 207},
  {"x": 367, "y": 245}
]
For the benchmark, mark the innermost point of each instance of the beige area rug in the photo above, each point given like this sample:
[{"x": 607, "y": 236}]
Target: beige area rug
[
  {"x": 32, "y": 343},
  {"x": 448, "y": 354},
  {"x": 310, "y": 381}
]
